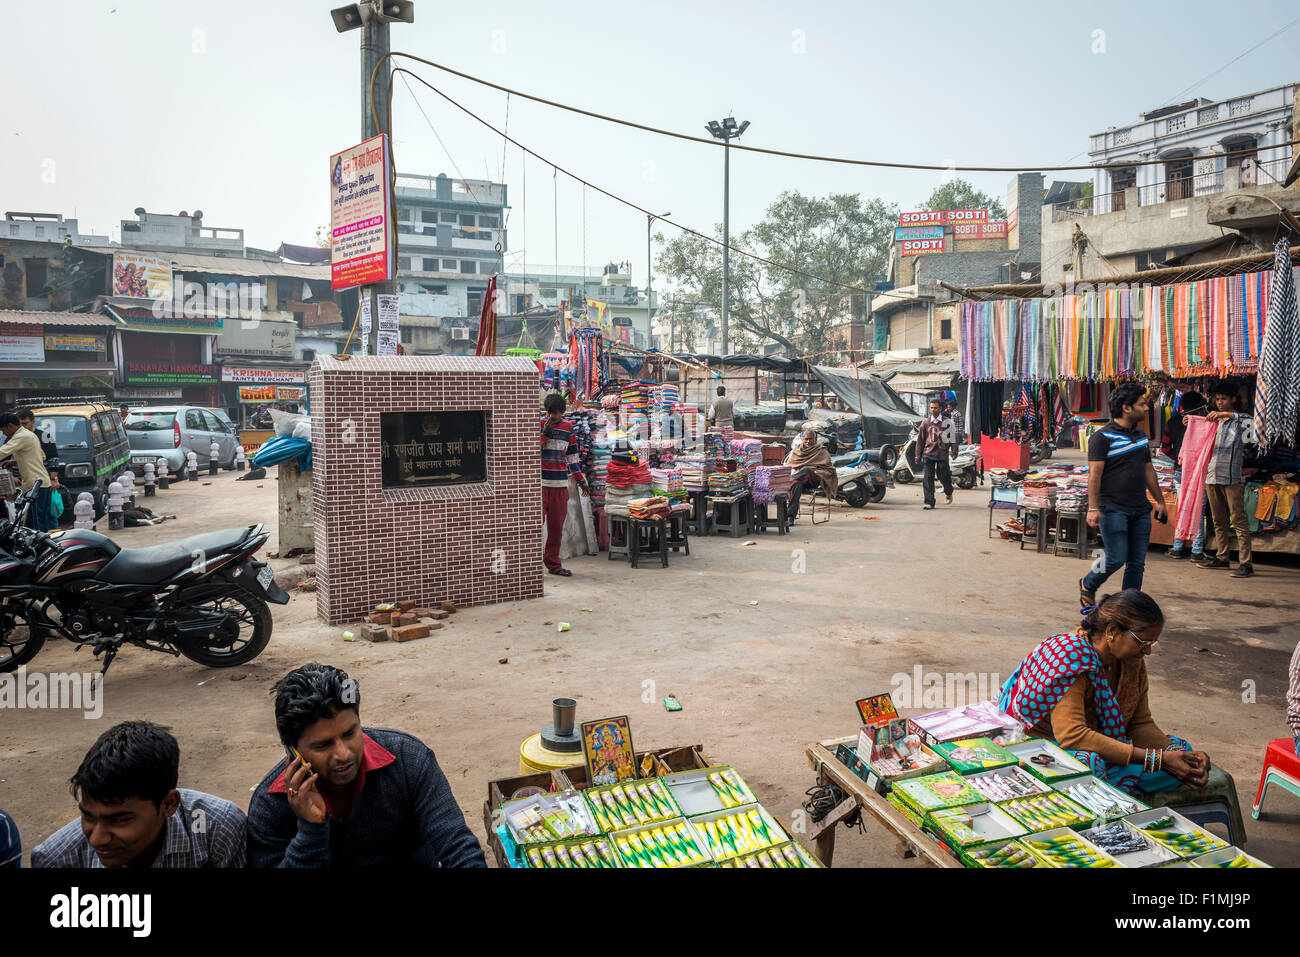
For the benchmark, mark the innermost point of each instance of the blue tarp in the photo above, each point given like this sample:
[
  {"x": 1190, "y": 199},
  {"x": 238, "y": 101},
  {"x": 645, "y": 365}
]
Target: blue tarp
[{"x": 281, "y": 449}]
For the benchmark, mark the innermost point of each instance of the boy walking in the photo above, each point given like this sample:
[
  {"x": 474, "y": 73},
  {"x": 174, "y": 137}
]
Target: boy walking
[
  {"x": 559, "y": 461},
  {"x": 1224, "y": 486},
  {"x": 936, "y": 443}
]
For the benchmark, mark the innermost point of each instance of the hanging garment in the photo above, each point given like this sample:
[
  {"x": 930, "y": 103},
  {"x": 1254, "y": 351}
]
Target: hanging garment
[
  {"x": 1198, "y": 446},
  {"x": 1252, "y": 503},
  {"x": 1277, "y": 386}
]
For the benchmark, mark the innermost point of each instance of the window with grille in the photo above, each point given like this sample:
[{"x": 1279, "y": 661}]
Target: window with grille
[{"x": 1176, "y": 123}]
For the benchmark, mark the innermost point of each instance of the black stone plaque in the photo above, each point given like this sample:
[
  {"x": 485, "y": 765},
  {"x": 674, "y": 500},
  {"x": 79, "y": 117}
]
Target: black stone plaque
[{"x": 422, "y": 449}]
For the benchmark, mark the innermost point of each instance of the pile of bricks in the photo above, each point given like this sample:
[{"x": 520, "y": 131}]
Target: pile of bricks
[{"x": 404, "y": 621}]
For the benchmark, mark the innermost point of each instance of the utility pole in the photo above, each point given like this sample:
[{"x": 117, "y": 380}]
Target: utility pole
[
  {"x": 649, "y": 274},
  {"x": 373, "y": 17},
  {"x": 726, "y": 130}
]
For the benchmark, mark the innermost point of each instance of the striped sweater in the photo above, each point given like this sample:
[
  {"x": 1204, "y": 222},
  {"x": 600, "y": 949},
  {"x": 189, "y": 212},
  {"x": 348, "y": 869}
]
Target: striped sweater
[{"x": 559, "y": 455}]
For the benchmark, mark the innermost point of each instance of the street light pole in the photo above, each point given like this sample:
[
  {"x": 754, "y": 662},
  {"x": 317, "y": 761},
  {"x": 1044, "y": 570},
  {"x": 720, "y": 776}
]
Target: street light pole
[
  {"x": 649, "y": 268},
  {"x": 726, "y": 130}
]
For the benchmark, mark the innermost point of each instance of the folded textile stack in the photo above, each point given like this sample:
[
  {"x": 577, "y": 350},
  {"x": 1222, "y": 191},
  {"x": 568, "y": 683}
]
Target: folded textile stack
[
  {"x": 610, "y": 401},
  {"x": 663, "y": 398},
  {"x": 728, "y": 483},
  {"x": 1072, "y": 500},
  {"x": 621, "y": 474},
  {"x": 668, "y": 483},
  {"x": 762, "y": 486},
  {"x": 617, "y": 499},
  {"x": 695, "y": 471},
  {"x": 655, "y": 506},
  {"x": 749, "y": 452},
  {"x": 715, "y": 444},
  {"x": 689, "y": 417},
  {"x": 778, "y": 479},
  {"x": 1036, "y": 495}
]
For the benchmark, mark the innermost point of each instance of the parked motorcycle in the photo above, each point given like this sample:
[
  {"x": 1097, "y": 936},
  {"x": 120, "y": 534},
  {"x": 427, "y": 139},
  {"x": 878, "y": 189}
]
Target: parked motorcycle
[
  {"x": 863, "y": 477},
  {"x": 204, "y": 597}
]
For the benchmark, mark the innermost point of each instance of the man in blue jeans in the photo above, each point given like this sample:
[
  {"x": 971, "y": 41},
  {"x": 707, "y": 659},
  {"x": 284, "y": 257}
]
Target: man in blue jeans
[{"x": 1120, "y": 475}]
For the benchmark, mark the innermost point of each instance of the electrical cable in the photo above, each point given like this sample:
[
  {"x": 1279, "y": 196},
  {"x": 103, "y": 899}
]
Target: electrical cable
[
  {"x": 1274, "y": 34},
  {"x": 824, "y": 798},
  {"x": 883, "y": 164}
]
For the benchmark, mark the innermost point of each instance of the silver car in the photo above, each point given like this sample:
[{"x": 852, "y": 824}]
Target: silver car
[{"x": 172, "y": 432}]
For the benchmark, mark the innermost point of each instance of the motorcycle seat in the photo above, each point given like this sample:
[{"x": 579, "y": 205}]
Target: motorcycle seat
[{"x": 156, "y": 563}]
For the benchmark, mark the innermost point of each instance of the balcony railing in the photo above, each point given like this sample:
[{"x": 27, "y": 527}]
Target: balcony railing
[{"x": 1170, "y": 191}]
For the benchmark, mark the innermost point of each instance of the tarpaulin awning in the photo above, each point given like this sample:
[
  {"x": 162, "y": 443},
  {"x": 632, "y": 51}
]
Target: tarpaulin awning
[
  {"x": 920, "y": 382},
  {"x": 889, "y": 419}
]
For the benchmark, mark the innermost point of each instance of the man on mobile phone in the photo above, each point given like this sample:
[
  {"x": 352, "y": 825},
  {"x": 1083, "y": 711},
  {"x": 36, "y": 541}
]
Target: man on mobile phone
[
  {"x": 133, "y": 815},
  {"x": 1120, "y": 475},
  {"x": 348, "y": 796}
]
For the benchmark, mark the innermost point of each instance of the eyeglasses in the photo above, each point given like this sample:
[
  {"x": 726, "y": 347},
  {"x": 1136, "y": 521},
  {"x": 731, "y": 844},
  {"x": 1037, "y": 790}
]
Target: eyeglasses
[{"x": 1144, "y": 645}]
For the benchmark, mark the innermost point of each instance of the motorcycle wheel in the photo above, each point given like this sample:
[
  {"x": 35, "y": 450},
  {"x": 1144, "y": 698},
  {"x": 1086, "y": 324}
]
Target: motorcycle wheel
[
  {"x": 966, "y": 480},
  {"x": 877, "y": 495},
  {"x": 856, "y": 497},
  {"x": 19, "y": 641},
  {"x": 904, "y": 476},
  {"x": 254, "y": 622},
  {"x": 1036, "y": 453},
  {"x": 888, "y": 457}
]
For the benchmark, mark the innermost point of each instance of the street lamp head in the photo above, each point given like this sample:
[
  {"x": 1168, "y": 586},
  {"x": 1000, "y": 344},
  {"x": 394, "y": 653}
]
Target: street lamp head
[
  {"x": 714, "y": 129},
  {"x": 729, "y": 123},
  {"x": 743, "y": 126}
]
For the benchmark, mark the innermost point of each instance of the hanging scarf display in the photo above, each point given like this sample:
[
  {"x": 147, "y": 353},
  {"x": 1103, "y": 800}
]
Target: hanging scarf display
[
  {"x": 1277, "y": 387},
  {"x": 589, "y": 361}
]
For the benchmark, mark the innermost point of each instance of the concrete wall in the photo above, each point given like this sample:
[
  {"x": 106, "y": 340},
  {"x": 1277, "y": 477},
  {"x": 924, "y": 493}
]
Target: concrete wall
[{"x": 908, "y": 327}]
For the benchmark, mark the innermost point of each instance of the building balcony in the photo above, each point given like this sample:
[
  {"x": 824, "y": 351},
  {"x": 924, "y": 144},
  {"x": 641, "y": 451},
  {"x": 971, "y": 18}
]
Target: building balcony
[{"x": 1262, "y": 175}]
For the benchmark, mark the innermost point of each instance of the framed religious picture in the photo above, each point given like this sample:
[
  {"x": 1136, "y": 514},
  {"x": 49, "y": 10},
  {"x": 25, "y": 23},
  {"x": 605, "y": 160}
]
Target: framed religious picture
[
  {"x": 607, "y": 747},
  {"x": 877, "y": 708}
]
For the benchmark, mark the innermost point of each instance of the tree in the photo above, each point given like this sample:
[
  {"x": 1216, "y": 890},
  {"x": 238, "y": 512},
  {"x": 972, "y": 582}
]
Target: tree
[
  {"x": 829, "y": 243},
  {"x": 959, "y": 194}
]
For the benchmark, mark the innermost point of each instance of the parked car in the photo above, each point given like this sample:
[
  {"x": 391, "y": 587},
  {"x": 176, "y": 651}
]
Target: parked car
[
  {"x": 92, "y": 449},
  {"x": 172, "y": 432}
]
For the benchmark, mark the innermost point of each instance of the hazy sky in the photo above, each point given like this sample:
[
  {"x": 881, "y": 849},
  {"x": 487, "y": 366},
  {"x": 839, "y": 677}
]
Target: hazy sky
[{"x": 233, "y": 106}]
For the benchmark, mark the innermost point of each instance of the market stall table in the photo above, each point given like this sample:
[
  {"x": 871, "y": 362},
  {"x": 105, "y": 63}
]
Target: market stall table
[{"x": 912, "y": 840}]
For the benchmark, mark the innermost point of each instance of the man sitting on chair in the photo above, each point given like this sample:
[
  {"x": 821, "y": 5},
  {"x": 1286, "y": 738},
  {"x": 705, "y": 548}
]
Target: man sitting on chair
[{"x": 811, "y": 466}]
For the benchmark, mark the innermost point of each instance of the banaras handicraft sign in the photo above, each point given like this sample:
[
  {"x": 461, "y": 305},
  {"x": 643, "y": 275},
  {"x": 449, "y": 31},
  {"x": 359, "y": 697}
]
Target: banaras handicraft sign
[{"x": 421, "y": 449}]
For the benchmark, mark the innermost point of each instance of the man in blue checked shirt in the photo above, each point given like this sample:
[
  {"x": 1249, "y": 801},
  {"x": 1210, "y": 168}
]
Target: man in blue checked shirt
[
  {"x": 133, "y": 815},
  {"x": 1120, "y": 475}
]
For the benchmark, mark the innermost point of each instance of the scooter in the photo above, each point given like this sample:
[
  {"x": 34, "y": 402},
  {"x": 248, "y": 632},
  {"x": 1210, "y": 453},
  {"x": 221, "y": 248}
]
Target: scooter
[{"x": 860, "y": 479}]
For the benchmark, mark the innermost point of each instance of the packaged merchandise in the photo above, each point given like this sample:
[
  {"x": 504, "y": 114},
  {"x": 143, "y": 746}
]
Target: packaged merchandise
[
  {"x": 1044, "y": 811},
  {"x": 1062, "y": 847},
  {"x": 1006, "y": 783},
  {"x": 705, "y": 790},
  {"x": 970, "y": 755},
  {"x": 1128, "y": 845},
  {"x": 673, "y": 843},
  {"x": 783, "y": 855},
  {"x": 739, "y": 831},
  {"x": 593, "y": 854},
  {"x": 545, "y": 818},
  {"x": 1170, "y": 829},
  {"x": 1004, "y": 854},
  {"x": 974, "y": 824},
  {"x": 631, "y": 803},
  {"x": 1046, "y": 761},
  {"x": 945, "y": 789},
  {"x": 1227, "y": 857},
  {"x": 1099, "y": 797}
]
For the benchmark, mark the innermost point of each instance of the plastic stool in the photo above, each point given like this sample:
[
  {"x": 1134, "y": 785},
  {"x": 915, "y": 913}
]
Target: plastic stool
[
  {"x": 1281, "y": 767},
  {"x": 619, "y": 536},
  {"x": 1079, "y": 545},
  {"x": 1214, "y": 803},
  {"x": 678, "y": 532},
  {"x": 762, "y": 522},
  {"x": 656, "y": 532}
]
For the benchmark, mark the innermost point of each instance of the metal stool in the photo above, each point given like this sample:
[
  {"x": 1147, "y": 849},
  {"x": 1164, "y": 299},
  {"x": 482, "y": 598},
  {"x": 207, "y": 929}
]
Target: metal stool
[
  {"x": 1078, "y": 546},
  {"x": 656, "y": 543},
  {"x": 619, "y": 534}
]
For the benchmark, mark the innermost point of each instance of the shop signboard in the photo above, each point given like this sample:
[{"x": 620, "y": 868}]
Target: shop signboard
[
  {"x": 420, "y": 449},
  {"x": 256, "y": 394},
  {"x": 996, "y": 230},
  {"x": 168, "y": 373},
  {"x": 1013, "y": 218},
  {"x": 966, "y": 216},
  {"x": 142, "y": 276},
  {"x": 147, "y": 394},
  {"x": 263, "y": 376},
  {"x": 62, "y": 342},
  {"x": 918, "y": 232},
  {"x": 289, "y": 393},
  {"x": 257, "y": 337},
  {"x": 918, "y": 247},
  {"x": 932, "y": 217},
  {"x": 360, "y": 234},
  {"x": 20, "y": 348}
]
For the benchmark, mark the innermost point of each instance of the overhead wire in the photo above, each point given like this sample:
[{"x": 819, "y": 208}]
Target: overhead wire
[{"x": 883, "y": 164}]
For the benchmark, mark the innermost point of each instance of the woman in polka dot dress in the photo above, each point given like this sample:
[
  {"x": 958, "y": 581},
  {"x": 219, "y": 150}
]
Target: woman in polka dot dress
[{"x": 1087, "y": 691}]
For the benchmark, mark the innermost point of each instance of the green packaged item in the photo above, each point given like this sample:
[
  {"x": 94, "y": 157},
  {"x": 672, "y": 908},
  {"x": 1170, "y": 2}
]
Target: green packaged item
[
  {"x": 1062, "y": 847},
  {"x": 974, "y": 824},
  {"x": 1040, "y": 812},
  {"x": 1004, "y": 854},
  {"x": 945, "y": 789},
  {"x": 1045, "y": 761},
  {"x": 972, "y": 755},
  {"x": 789, "y": 855}
]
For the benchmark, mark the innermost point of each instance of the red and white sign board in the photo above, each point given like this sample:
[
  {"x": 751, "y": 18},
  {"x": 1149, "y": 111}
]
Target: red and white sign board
[
  {"x": 925, "y": 218},
  {"x": 979, "y": 230},
  {"x": 966, "y": 216},
  {"x": 360, "y": 238},
  {"x": 918, "y": 247}
]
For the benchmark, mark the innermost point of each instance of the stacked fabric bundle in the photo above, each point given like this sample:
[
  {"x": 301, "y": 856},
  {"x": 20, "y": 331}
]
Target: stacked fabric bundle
[
  {"x": 1072, "y": 500},
  {"x": 622, "y": 473},
  {"x": 731, "y": 482},
  {"x": 749, "y": 452},
  {"x": 778, "y": 479},
  {"x": 1036, "y": 495},
  {"x": 689, "y": 416},
  {"x": 663, "y": 398},
  {"x": 715, "y": 444},
  {"x": 655, "y": 506},
  {"x": 668, "y": 483},
  {"x": 695, "y": 471},
  {"x": 762, "y": 487}
]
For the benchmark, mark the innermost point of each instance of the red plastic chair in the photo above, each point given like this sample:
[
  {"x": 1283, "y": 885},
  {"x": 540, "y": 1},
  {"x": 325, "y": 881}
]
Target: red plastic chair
[{"x": 1281, "y": 767}]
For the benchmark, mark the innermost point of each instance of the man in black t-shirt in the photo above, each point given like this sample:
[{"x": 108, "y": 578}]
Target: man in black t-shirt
[{"x": 1120, "y": 475}]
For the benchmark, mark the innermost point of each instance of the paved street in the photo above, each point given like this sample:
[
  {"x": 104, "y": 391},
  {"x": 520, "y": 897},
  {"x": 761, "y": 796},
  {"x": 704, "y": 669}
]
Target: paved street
[{"x": 882, "y": 591}]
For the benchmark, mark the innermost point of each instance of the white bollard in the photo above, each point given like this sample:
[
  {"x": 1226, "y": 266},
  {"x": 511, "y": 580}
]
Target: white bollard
[
  {"x": 115, "y": 497},
  {"x": 192, "y": 465},
  {"x": 84, "y": 510},
  {"x": 239, "y": 458},
  {"x": 214, "y": 453},
  {"x": 163, "y": 482},
  {"x": 148, "y": 480},
  {"x": 127, "y": 479}
]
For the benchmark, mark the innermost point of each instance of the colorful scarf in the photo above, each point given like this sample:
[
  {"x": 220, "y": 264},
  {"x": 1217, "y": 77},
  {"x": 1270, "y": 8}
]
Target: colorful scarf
[{"x": 1047, "y": 674}]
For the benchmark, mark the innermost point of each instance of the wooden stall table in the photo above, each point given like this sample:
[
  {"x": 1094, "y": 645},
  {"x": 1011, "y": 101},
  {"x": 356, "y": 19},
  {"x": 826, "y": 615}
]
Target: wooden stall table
[{"x": 913, "y": 842}]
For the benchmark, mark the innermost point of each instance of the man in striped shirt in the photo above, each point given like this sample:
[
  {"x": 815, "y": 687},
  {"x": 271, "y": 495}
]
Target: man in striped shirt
[
  {"x": 133, "y": 815},
  {"x": 1120, "y": 475},
  {"x": 1293, "y": 698},
  {"x": 1224, "y": 486},
  {"x": 559, "y": 462}
]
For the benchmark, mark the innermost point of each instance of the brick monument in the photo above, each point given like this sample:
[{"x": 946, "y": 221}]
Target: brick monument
[{"x": 425, "y": 481}]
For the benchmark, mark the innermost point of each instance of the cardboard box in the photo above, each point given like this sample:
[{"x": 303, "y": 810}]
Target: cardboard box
[
  {"x": 694, "y": 793},
  {"x": 572, "y": 855},
  {"x": 527, "y": 818},
  {"x": 1007, "y": 783},
  {"x": 631, "y": 804},
  {"x": 641, "y": 846},
  {"x": 789, "y": 855},
  {"x": 1061, "y": 811},
  {"x": 945, "y": 789},
  {"x": 1062, "y": 766},
  {"x": 1228, "y": 857},
  {"x": 893, "y": 754},
  {"x": 905, "y": 809},
  {"x": 982, "y": 719},
  {"x": 974, "y": 824},
  {"x": 972, "y": 755},
  {"x": 985, "y": 856}
]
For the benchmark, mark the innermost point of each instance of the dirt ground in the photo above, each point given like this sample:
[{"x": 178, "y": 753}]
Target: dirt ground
[{"x": 767, "y": 646}]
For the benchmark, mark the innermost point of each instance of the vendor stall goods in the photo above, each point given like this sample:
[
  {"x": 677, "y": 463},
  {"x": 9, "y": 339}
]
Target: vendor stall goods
[
  {"x": 671, "y": 844},
  {"x": 1039, "y": 811},
  {"x": 1177, "y": 833},
  {"x": 739, "y": 831},
  {"x": 1008, "y": 854},
  {"x": 786, "y": 855},
  {"x": 1061, "y": 847},
  {"x": 1099, "y": 797},
  {"x": 595, "y": 853},
  {"x": 628, "y": 805},
  {"x": 969, "y": 721},
  {"x": 970, "y": 755},
  {"x": 945, "y": 789},
  {"x": 975, "y": 824}
]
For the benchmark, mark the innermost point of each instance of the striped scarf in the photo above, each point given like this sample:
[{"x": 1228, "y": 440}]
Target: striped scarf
[{"x": 1277, "y": 387}]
